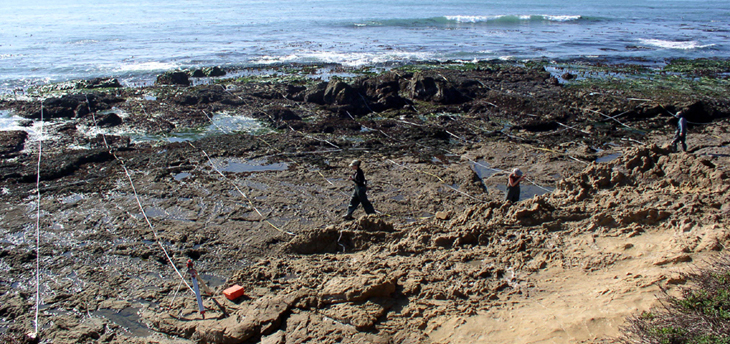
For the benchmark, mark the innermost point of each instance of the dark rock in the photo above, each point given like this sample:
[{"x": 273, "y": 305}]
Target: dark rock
[
  {"x": 109, "y": 120},
  {"x": 382, "y": 92},
  {"x": 294, "y": 92},
  {"x": 567, "y": 76},
  {"x": 113, "y": 141},
  {"x": 101, "y": 83},
  {"x": 60, "y": 166},
  {"x": 427, "y": 88},
  {"x": 280, "y": 113},
  {"x": 206, "y": 72},
  {"x": 280, "y": 117},
  {"x": 333, "y": 124},
  {"x": 173, "y": 78},
  {"x": 199, "y": 95},
  {"x": 340, "y": 93},
  {"x": 186, "y": 99},
  {"x": 12, "y": 141},
  {"x": 315, "y": 94},
  {"x": 214, "y": 71},
  {"x": 64, "y": 107},
  {"x": 70, "y": 106},
  {"x": 196, "y": 73}
]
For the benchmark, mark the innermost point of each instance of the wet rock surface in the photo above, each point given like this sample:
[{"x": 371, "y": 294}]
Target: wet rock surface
[{"x": 265, "y": 211}]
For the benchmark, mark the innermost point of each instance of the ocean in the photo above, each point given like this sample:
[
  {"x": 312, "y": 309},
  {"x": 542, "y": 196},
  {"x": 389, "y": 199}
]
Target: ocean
[{"x": 44, "y": 41}]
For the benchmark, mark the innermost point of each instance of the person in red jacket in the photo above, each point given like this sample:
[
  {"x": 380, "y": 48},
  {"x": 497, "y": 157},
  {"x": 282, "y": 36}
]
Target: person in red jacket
[{"x": 513, "y": 185}]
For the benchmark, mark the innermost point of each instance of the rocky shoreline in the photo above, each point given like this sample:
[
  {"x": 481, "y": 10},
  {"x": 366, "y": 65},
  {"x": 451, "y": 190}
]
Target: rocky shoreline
[{"x": 263, "y": 208}]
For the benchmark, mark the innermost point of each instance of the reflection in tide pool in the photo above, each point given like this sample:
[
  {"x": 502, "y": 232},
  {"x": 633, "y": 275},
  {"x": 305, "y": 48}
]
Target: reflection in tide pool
[
  {"x": 128, "y": 318},
  {"x": 608, "y": 158},
  {"x": 182, "y": 175},
  {"x": 222, "y": 123},
  {"x": 240, "y": 166}
]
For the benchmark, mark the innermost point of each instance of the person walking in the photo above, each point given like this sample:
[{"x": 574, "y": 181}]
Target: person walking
[
  {"x": 360, "y": 193},
  {"x": 681, "y": 134},
  {"x": 513, "y": 185}
]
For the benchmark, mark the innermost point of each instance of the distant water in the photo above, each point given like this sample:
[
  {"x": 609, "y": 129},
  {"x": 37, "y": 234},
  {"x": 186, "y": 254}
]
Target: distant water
[{"x": 48, "y": 40}]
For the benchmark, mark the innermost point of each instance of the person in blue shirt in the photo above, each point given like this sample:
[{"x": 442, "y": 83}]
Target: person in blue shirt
[
  {"x": 681, "y": 134},
  {"x": 360, "y": 193}
]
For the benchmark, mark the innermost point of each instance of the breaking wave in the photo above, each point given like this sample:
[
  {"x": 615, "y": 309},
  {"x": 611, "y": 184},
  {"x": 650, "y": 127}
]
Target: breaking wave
[{"x": 478, "y": 20}]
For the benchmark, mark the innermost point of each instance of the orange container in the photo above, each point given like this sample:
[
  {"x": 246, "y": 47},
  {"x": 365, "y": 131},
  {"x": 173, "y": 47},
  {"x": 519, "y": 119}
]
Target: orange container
[{"x": 233, "y": 292}]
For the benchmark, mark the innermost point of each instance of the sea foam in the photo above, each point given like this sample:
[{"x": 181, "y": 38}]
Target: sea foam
[
  {"x": 680, "y": 45},
  {"x": 9, "y": 122},
  {"x": 145, "y": 66},
  {"x": 346, "y": 59}
]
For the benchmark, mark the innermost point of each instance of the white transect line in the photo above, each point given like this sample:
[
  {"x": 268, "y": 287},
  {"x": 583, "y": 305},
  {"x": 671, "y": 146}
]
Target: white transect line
[
  {"x": 37, "y": 227},
  {"x": 243, "y": 194},
  {"x": 507, "y": 172},
  {"x": 154, "y": 231},
  {"x": 437, "y": 177},
  {"x": 136, "y": 197}
]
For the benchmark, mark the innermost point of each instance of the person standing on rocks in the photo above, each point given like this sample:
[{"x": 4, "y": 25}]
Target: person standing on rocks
[
  {"x": 681, "y": 134},
  {"x": 513, "y": 185},
  {"x": 360, "y": 193}
]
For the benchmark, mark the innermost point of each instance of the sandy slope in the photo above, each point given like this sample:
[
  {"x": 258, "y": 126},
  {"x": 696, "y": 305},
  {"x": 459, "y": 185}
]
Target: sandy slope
[{"x": 575, "y": 305}]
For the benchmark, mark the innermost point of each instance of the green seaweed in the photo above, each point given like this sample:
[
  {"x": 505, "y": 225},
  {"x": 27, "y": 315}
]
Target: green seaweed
[{"x": 698, "y": 66}]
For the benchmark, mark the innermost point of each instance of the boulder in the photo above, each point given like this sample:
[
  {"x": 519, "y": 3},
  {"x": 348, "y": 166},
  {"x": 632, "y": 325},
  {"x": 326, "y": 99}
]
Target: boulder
[
  {"x": 206, "y": 72},
  {"x": 356, "y": 288},
  {"x": 214, "y": 71},
  {"x": 428, "y": 88},
  {"x": 109, "y": 120},
  {"x": 382, "y": 92},
  {"x": 99, "y": 83},
  {"x": 443, "y": 215},
  {"x": 340, "y": 93},
  {"x": 315, "y": 93},
  {"x": 63, "y": 107},
  {"x": 173, "y": 78}
]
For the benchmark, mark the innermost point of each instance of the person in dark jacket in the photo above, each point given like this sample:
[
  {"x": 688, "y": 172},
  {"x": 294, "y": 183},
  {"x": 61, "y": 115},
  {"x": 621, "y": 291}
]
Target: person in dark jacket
[
  {"x": 681, "y": 134},
  {"x": 513, "y": 185},
  {"x": 360, "y": 193}
]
